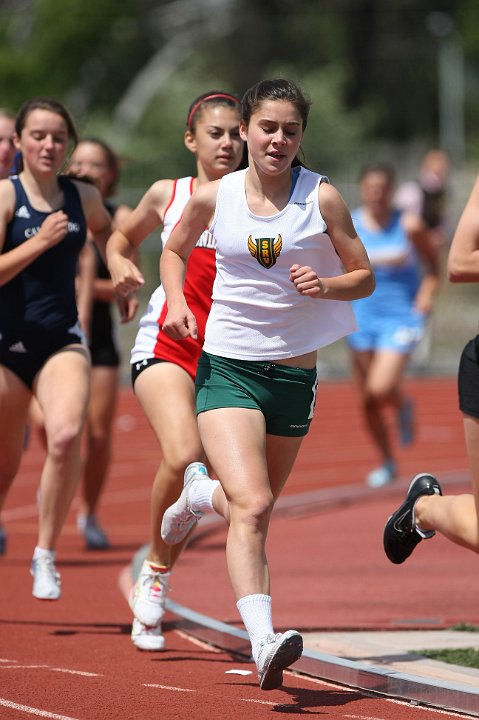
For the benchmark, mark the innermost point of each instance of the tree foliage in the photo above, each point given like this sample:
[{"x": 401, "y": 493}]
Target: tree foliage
[{"x": 370, "y": 67}]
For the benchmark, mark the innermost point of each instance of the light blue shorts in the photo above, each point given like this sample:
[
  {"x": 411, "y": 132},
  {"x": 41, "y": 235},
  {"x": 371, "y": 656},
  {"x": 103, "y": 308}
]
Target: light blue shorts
[{"x": 389, "y": 334}]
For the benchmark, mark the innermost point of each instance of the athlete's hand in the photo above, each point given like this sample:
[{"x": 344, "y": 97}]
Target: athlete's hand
[
  {"x": 180, "y": 322},
  {"x": 306, "y": 281},
  {"x": 125, "y": 275},
  {"x": 127, "y": 306},
  {"x": 53, "y": 229}
]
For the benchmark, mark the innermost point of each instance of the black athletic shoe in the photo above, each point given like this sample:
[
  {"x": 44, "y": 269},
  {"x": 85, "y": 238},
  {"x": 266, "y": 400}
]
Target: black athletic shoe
[{"x": 400, "y": 535}]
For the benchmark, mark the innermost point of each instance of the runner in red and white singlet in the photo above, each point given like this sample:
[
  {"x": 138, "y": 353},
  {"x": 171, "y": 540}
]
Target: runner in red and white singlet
[{"x": 163, "y": 370}]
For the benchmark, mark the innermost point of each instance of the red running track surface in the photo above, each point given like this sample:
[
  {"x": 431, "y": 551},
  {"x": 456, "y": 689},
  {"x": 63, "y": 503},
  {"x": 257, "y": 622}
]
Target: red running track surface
[{"x": 74, "y": 659}]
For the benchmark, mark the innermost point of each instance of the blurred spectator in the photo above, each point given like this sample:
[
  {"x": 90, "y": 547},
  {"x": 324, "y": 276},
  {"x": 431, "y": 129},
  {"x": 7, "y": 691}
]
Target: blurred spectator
[
  {"x": 426, "y": 196},
  {"x": 7, "y": 148}
]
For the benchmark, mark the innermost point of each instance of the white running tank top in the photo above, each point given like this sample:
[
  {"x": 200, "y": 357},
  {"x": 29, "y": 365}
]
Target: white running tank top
[
  {"x": 182, "y": 191},
  {"x": 257, "y": 313}
]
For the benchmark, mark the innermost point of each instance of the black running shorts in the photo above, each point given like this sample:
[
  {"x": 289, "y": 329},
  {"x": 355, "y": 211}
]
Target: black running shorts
[{"x": 468, "y": 378}]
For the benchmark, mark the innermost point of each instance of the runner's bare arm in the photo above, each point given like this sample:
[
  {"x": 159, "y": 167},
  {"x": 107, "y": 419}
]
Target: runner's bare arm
[
  {"x": 130, "y": 233},
  {"x": 463, "y": 259},
  {"x": 358, "y": 279}
]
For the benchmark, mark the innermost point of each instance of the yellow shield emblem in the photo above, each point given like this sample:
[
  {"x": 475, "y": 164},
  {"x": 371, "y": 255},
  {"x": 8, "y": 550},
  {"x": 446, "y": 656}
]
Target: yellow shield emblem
[{"x": 265, "y": 250}]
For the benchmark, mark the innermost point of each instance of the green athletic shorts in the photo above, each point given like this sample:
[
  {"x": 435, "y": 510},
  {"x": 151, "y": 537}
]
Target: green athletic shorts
[{"x": 285, "y": 395}]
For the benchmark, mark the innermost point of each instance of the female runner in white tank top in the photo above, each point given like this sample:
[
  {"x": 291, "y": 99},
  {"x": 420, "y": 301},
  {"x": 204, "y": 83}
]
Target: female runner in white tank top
[{"x": 288, "y": 263}]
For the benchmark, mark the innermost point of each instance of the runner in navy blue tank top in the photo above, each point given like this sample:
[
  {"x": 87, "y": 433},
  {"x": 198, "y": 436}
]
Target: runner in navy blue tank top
[
  {"x": 95, "y": 161},
  {"x": 7, "y": 156},
  {"x": 41, "y": 298},
  {"x": 43, "y": 221}
]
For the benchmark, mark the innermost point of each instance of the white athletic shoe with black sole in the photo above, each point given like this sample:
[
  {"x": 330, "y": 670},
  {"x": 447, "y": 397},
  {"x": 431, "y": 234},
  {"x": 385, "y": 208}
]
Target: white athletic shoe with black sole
[{"x": 276, "y": 653}]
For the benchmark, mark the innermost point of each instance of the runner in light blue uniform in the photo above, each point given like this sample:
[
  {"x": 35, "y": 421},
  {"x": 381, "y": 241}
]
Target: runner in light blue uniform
[
  {"x": 388, "y": 319},
  {"x": 392, "y": 320}
]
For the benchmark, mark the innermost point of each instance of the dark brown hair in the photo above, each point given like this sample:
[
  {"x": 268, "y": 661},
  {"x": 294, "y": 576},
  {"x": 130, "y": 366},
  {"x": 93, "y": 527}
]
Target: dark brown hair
[
  {"x": 212, "y": 98},
  {"x": 277, "y": 89},
  {"x": 43, "y": 103}
]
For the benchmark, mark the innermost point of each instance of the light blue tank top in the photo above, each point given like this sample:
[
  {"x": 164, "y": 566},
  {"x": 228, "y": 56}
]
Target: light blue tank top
[{"x": 397, "y": 284}]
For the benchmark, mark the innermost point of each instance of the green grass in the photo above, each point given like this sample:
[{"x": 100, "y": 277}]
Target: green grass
[
  {"x": 465, "y": 657},
  {"x": 465, "y": 627}
]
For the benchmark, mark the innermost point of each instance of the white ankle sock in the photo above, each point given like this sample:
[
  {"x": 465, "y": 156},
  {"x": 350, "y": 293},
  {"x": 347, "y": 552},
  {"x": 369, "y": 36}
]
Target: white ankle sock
[
  {"x": 201, "y": 494},
  {"x": 43, "y": 552},
  {"x": 425, "y": 534},
  {"x": 255, "y": 611}
]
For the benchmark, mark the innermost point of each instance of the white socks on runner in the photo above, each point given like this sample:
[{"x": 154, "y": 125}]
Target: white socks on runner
[
  {"x": 43, "y": 552},
  {"x": 255, "y": 611},
  {"x": 201, "y": 494}
]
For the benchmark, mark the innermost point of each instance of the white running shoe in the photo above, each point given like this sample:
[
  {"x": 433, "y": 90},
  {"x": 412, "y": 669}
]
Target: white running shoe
[
  {"x": 148, "y": 595},
  {"x": 383, "y": 475},
  {"x": 179, "y": 518},
  {"x": 276, "y": 653},
  {"x": 147, "y": 638},
  {"x": 46, "y": 579}
]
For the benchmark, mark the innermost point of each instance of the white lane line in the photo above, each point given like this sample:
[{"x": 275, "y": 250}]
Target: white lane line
[
  {"x": 34, "y": 711},
  {"x": 363, "y": 717},
  {"x": 417, "y": 706},
  {"x": 84, "y": 673},
  {"x": 113, "y": 498},
  {"x": 168, "y": 687},
  {"x": 21, "y": 513},
  {"x": 16, "y": 666},
  {"x": 22, "y": 667},
  {"x": 261, "y": 702}
]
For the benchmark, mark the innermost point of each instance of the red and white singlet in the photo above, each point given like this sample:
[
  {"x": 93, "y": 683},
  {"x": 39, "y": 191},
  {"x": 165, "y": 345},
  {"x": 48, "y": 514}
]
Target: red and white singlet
[{"x": 150, "y": 341}]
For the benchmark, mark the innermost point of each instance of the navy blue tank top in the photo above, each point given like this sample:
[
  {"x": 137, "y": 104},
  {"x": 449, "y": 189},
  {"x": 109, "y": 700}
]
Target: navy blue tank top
[
  {"x": 42, "y": 296},
  {"x": 101, "y": 326}
]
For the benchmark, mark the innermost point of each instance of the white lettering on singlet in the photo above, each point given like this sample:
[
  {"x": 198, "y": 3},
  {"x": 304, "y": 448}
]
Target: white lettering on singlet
[
  {"x": 206, "y": 241},
  {"x": 73, "y": 227}
]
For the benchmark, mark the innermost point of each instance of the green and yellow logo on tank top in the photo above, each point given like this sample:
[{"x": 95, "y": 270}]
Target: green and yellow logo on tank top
[{"x": 265, "y": 250}]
